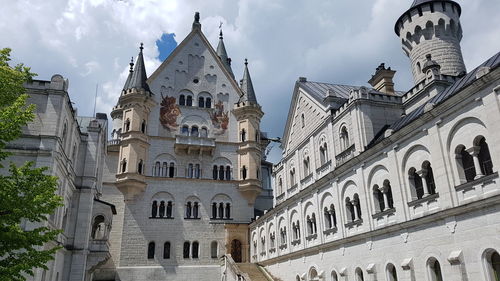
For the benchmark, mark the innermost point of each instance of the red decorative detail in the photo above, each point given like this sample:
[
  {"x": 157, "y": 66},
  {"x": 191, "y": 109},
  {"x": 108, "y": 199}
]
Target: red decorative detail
[
  {"x": 220, "y": 119},
  {"x": 169, "y": 112}
]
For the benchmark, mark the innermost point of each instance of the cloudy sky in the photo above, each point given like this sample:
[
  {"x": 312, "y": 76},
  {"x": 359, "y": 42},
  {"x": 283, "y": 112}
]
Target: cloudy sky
[{"x": 338, "y": 41}]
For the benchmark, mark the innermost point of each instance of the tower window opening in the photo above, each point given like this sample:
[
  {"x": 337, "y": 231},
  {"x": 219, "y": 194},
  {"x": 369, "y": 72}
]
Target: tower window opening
[
  {"x": 127, "y": 125},
  {"x": 244, "y": 173},
  {"x": 215, "y": 172},
  {"x": 143, "y": 126}
]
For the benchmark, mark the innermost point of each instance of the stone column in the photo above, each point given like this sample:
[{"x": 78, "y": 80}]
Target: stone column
[
  {"x": 384, "y": 190},
  {"x": 422, "y": 174},
  {"x": 354, "y": 203},
  {"x": 474, "y": 151}
]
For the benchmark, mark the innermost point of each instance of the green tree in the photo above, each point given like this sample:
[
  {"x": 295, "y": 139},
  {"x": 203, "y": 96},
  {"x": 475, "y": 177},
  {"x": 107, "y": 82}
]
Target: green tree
[{"x": 27, "y": 194}]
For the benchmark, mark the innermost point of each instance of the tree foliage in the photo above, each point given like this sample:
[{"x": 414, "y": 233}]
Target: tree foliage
[{"x": 27, "y": 194}]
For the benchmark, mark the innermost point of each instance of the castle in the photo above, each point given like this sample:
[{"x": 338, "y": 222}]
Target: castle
[{"x": 374, "y": 183}]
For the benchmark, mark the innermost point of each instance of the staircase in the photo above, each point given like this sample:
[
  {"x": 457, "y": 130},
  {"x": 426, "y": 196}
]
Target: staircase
[
  {"x": 244, "y": 271},
  {"x": 253, "y": 271}
]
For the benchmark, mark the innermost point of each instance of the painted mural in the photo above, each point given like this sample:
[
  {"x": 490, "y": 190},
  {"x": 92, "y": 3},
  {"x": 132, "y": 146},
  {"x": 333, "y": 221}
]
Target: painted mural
[
  {"x": 220, "y": 119},
  {"x": 169, "y": 112}
]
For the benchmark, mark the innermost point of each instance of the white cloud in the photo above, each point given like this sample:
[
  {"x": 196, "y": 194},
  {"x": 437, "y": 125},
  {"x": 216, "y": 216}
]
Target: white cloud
[{"x": 91, "y": 41}]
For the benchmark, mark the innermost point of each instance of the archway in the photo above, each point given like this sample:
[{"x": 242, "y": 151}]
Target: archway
[{"x": 236, "y": 250}]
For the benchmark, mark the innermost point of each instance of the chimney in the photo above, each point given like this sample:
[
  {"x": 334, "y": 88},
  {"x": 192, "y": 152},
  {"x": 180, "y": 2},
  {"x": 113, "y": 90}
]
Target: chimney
[{"x": 382, "y": 80}]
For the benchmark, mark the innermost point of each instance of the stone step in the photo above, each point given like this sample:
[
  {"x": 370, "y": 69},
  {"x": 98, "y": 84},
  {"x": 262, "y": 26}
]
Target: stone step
[{"x": 253, "y": 271}]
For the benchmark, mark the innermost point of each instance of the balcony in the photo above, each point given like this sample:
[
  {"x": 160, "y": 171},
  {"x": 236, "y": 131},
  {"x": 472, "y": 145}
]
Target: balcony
[
  {"x": 194, "y": 145},
  {"x": 345, "y": 155}
]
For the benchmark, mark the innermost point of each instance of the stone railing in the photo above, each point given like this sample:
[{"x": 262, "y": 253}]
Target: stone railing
[
  {"x": 230, "y": 271},
  {"x": 114, "y": 142},
  {"x": 345, "y": 155}
]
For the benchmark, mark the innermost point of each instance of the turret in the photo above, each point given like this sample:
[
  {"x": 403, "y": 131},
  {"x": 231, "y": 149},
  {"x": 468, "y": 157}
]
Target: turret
[
  {"x": 222, "y": 53},
  {"x": 432, "y": 27},
  {"x": 248, "y": 114},
  {"x": 131, "y": 116}
]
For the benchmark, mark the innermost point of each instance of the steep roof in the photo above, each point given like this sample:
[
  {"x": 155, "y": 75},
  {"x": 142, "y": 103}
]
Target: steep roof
[
  {"x": 139, "y": 77},
  {"x": 453, "y": 89},
  {"x": 129, "y": 77},
  {"x": 222, "y": 53},
  {"x": 247, "y": 86}
]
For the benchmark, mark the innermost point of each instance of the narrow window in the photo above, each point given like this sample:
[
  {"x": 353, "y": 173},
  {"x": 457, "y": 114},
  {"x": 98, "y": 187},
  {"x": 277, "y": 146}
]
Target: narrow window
[
  {"x": 302, "y": 119},
  {"x": 195, "y": 210},
  {"x": 151, "y": 250},
  {"x": 190, "y": 171},
  {"x": 195, "y": 251},
  {"x": 201, "y": 102},
  {"x": 143, "y": 126},
  {"x": 221, "y": 210},
  {"x": 194, "y": 131},
  {"x": 392, "y": 275},
  {"x": 208, "y": 103},
  {"x": 213, "y": 250},
  {"x": 154, "y": 209},
  {"x": 127, "y": 125},
  {"x": 185, "y": 250},
  {"x": 156, "y": 170},
  {"x": 197, "y": 171},
  {"x": 188, "y": 210},
  {"x": 359, "y": 275},
  {"x": 485, "y": 158},
  {"x": 124, "y": 165},
  {"x": 169, "y": 209},
  {"x": 435, "y": 269},
  {"x": 162, "y": 209},
  {"x": 164, "y": 169},
  {"x": 182, "y": 100},
  {"x": 494, "y": 266},
  {"x": 328, "y": 220},
  {"x": 189, "y": 101},
  {"x": 140, "y": 167},
  {"x": 221, "y": 172},
  {"x": 416, "y": 183},
  {"x": 429, "y": 177},
  {"x": 228, "y": 173},
  {"x": 214, "y": 210},
  {"x": 228, "y": 211},
  {"x": 185, "y": 130},
  {"x": 379, "y": 198},
  {"x": 204, "y": 132},
  {"x": 215, "y": 172},
  {"x": 244, "y": 172},
  {"x": 334, "y": 217},
  {"x": 171, "y": 170},
  {"x": 166, "y": 250},
  {"x": 243, "y": 135}
]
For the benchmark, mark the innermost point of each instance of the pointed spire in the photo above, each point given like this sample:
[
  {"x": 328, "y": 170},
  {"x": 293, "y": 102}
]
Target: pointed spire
[
  {"x": 127, "y": 83},
  {"x": 196, "y": 22},
  {"x": 246, "y": 86},
  {"x": 139, "y": 77},
  {"x": 221, "y": 52}
]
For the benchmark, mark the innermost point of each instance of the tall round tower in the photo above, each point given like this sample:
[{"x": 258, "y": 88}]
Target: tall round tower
[{"x": 432, "y": 27}]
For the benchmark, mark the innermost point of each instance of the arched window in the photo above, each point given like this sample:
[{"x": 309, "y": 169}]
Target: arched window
[
  {"x": 190, "y": 171},
  {"x": 349, "y": 209},
  {"x": 485, "y": 158},
  {"x": 228, "y": 211},
  {"x": 323, "y": 154},
  {"x": 357, "y": 206},
  {"x": 493, "y": 266},
  {"x": 195, "y": 250},
  {"x": 143, "y": 126},
  {"x": 221, "y": 172},
  {"x": 194, "y": 131},
  {"x": 196, "y": 208},
  {"x": 185, "y": 130},
  {"x": 306, "y": 166},
  {"x": 297, "y": 278},
  {"x": 171, "y": 170},
  {"x": 204, "y": 132},
  {"x": 429, "y": 177},
  {"x": 208, "y": 103},
  {"x": 189, "y": 101},
  {"x": 334, "y": 276},
  {"x": 164, "y": 169},
  {"x": 244, "y": 173},
  {"x": 182, "y": 100},
  {"x": 127, "y": 125},
  {"x": 309, "y": 225},
  {"x": 201, "y": 102},
  {"x": 465, "y": 164},
  {"x": 416, "y": 184},
  {"x": 156, "y": 170},
  {"x": 328, "y": 218},
  {"x": 213, "y": 250},
  {"x": 124, "y": 165},
  {"x": 344, "y": 138},
  {"x": 169, "y": 209},
  {"x": 388, "y": 192},
  {"x": 140, "y": 167},
  {"x": 197, "y": 171},
  {"x": 162, "y": 209},
  {"x": 214, "y": 210},
  {"x": 359, "y": 274},
  {"x": 215, "y": 172},
  {"x": 98, "y": 228},
  {"x": 228, "y": 173},
  {"x": 392, "y": 275},
  {"x": 166, "y": 250},
  {"x": 419, "y": 68},
  {"x": 151, "y": 250},
  {"x": 302, "y": 120},
  {"x": 188, "y": 210},
  {"x": 280, "y": 186},
  {"x": 185, "y": 250},
  {"x": 243, "y": 135},
  {"x": 314, "y": 225},
  {"x": 292, "y": 177},
  {"x": 435, "y": 270},
  {"x": 378, "y": 196},
  {"x": 154, "y": 209}
]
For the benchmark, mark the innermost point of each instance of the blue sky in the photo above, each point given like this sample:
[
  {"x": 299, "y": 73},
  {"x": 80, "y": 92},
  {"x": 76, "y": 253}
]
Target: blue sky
[{"x": 166, "y": 44}]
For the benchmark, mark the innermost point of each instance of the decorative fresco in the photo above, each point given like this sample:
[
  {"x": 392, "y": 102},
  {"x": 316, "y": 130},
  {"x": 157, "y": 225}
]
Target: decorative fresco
[
  {"x": 169, "y": 112},
  {"x": 220, "y": 119}
]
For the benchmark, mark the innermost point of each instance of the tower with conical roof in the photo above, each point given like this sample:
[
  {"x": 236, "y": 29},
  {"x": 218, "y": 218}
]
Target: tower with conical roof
[
  {"x": 248, "y": 113},
  {"x": 130, "y": 119},
  {"x": 432, "y": 27},
  {"x": 222, "y": 53}
]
